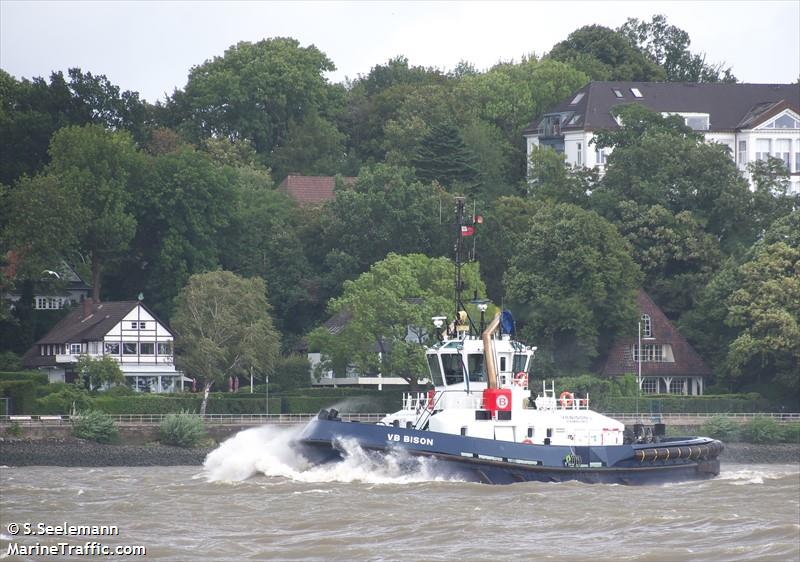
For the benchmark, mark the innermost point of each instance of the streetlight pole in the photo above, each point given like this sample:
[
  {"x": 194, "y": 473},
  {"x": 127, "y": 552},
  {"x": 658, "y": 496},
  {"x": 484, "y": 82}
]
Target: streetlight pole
[
  {"x": 267, "y": 385},
  {"x": 639, "y": 377}
]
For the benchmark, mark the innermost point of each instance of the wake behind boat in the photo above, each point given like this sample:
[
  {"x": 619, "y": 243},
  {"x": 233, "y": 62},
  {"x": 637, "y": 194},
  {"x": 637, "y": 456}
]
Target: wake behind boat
[{"x": 481, "y": 424}]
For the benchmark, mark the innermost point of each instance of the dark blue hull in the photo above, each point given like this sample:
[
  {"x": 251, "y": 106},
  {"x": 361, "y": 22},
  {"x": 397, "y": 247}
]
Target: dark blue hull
[{"x": 503, "y": 462}]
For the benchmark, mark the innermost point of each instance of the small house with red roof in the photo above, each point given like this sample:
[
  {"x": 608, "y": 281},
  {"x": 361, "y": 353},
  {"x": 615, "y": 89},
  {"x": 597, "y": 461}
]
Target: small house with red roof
[
  {"x": 669, "y": 364},
  {"x": 311, "y": 190}
]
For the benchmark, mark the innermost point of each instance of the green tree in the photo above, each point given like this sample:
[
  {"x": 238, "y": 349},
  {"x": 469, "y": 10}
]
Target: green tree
[
  {"x": 91, "y": 175},
  {"x": 386, "y": 210},
  {"x": 688, "y": 175},
  {"x": 254, "y": 91},
  {"x": 312, "y": 146},
  {"x": 389, "y": 310},
  {"x": 31, "y": 111},
  {"x": 573, "y": 285},
  {"x": 443, "y": 157},
  {"x": 765, "y": 308},
  {"x": 549, "y": 179},
  {"x": 99, "y": 371},
  {"x": 263, "y": 240},
  {"x": 605, "y": 54},
  {"x": 668, "y": 46},
  {"x": 224, "y": 328},
  {"x": 184, "y": 203},
  {"x": 678, "y": 258}
]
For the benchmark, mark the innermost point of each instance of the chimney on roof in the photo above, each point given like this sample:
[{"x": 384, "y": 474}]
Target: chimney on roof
[{"x": 87, "y": 306}]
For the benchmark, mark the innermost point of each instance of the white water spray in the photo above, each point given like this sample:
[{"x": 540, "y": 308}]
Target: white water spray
[{"x": 268, "y": 450}]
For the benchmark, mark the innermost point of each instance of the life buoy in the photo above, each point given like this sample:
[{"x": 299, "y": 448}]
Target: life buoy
[
  {"x": 527, "y": 442},
  {"x": 521, "y": 379},
  {"x": 431, "y": 397},
  {"x": 566, "y": 399}
]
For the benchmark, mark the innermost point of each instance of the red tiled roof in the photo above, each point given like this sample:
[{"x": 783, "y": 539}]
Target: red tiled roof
[
  {"x": 311, "y": 190},
  {"x": 687, "y": 361}
]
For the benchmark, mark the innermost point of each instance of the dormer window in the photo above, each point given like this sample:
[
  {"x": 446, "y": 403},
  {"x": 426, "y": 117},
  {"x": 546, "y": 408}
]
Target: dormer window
[
  {"x": 636, "y": 93},
  {"x": 577, "y": 98},
  {"x": 647, "y": 326}
]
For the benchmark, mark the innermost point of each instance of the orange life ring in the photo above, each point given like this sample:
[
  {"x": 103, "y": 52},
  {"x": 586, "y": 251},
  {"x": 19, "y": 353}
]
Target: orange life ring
[
  {"x": 527, "y": 442},
  {"x": 521, "y": 379},
  {"x": 566, "y": 399}
]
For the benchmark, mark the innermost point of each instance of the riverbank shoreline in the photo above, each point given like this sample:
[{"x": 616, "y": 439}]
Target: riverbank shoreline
[{"x": 76, "y": 452}]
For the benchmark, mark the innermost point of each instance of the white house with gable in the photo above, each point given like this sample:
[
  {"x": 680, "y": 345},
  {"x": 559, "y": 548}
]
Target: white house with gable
[
  {"x": 125, "y": 330},
  {"x": 753, "y": 120}
]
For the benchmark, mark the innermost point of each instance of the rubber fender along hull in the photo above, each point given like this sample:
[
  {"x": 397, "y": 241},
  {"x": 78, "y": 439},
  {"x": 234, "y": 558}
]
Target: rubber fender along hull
[{"x": 503, "y": 462}]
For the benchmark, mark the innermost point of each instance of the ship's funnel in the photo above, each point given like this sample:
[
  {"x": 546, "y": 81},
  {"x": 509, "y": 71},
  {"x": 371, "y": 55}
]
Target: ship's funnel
[{"x": 488, "y": 351}]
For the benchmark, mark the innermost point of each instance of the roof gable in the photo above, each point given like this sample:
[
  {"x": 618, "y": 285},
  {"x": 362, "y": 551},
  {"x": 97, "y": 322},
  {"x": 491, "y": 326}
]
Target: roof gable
[
  {"x": 77, "y": 326},
  {"x": 687, "y": 361}
]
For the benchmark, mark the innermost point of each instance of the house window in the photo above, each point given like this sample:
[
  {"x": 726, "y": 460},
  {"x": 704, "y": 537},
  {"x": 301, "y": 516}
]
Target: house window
[
  {"x": 762, "y": 149},
  {"x": 142, "y": 326},
  {"x": 742, "y": 154},
  {"x": 577, "y": 98},
  {"x": 134, "y": 325},
  {"x": 783, "y": 150},
  {"x": 111, "y": 348},
  {"x": 579, "y": 159},
  {"x": 146, "y": 348},
  {"x": 94, "y": 348},
  {"x": 649, "y": 385},
  {"x": 129, "y": 348},
  {"x": 785, "y": 122},
  {"x": 697, "y": 122},
  {"x": 651, "y": 353},
  {"x": 647, "y": 326},
  {"x": 636, "y": 93},
  {"x": 617, "y": 92},
  {"x": 75, "y": 348},
  {"x": 797, "y": 156},
  {"x": 165, "y": 348},
  {"x": 676, "y": 386},
  {"x": 600, "y": 155}
]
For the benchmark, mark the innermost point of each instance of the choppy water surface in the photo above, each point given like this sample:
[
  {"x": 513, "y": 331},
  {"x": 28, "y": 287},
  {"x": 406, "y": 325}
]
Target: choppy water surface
[{"x": 255, "y": 500}]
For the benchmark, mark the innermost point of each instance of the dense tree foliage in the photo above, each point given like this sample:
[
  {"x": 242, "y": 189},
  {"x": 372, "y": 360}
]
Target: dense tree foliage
[
  {"x": 574, "y": 283},
  {"x": 388, "y": 314},
  {"x": 605, "y": 54},
  {"x": 141, "y": 198},
  {"x": 668, "y": 46},
  {"x": 224, "y": 328}
]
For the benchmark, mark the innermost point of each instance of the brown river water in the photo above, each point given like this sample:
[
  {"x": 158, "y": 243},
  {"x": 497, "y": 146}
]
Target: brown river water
[{"x": 255, "y": 500}]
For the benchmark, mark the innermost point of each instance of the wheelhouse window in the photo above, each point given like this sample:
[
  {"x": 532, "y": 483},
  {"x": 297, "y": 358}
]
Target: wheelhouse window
[
  {"x": 520, "y": 363},
  {"x": 433, "y": 367},
  {"x": 477, "y": 368},
  {"x": 451, "y": 364}
]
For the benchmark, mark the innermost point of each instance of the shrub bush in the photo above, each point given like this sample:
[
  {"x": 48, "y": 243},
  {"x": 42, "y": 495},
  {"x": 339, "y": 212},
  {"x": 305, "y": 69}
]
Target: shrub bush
[
  {"x": 182, "y": 430},
  {"x": 66, "y": 399},
  {"x": 721, "y": 427},
  {"x": 10, "y": 361},
  {"x": 35, "y": 376},
  {"x": 762, "y": 430},
  {"x": 791, "y": 433},
  {"x": 95, "y": 426}
]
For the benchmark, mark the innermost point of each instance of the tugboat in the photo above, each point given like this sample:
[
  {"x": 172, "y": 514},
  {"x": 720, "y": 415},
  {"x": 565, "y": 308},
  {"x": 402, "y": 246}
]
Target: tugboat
[{"x": 481, "y": 424}]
